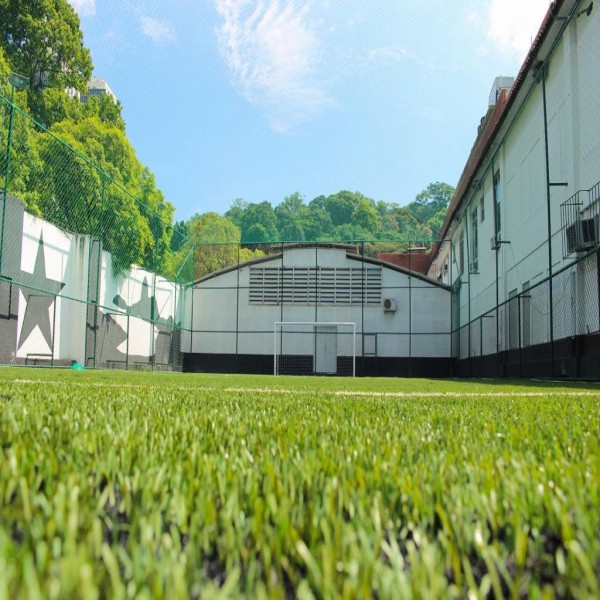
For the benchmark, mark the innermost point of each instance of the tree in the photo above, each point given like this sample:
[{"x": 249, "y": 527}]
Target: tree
[
  {"x": 118, "y": 200},
  {"x": 25, "y": 160},
  {"x": 436, "y": 222},
  {"x": 289, "y": 218},
  {"x": 339, "y": 206},
  {"x": 366, "y": 217},
  {"x": 350, "y": 233},
  {"x": 236, "y": 211},
  {"x": 316, "y": 224},
  {"x": 216, "y": 241},
  {"x": 434, "y": 198},
  {"x": 259, "y": 224},
  {"x": 42, "y": 40},
  {"x": 106, "y": 110},
  {"x": 180, "y": 235},
  {"x": 53, "y": 105},
  {"x": 159, "y": 214}
]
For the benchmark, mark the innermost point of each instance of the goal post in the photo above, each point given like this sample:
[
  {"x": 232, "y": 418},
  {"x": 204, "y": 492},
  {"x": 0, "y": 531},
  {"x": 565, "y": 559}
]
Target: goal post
[{"x": 314, "y": 348}]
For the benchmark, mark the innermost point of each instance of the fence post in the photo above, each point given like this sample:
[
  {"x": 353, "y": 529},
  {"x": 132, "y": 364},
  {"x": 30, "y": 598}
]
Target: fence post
[
  {"x": 99, "y": 264},
  {"x": 192, "y": 303},
  {"x": 519, "y": 298},
  {"x": 409, "y": 309},
  {"x": 481, "y": 346},
  {"x": 127, "y": 346},
  {"x": 598, "y": 285},
  {"x": 362, "y": 310},
  {"x": 237, "y": 311},
  {"x": 7, "y": 173}
]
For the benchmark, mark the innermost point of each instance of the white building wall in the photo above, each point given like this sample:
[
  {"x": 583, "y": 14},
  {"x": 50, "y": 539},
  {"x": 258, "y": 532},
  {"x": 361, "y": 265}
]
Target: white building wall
[
  {"x": 573, "y": 128},
  {"x": 419, "y": 327}
]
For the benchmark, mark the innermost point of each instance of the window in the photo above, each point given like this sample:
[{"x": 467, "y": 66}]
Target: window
[
  {"x": 497, "y": 202},
  {"x": 474, "y": 242},
  {"x": 482, "y": 208}
]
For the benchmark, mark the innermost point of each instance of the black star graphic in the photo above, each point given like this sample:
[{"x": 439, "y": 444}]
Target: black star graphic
[{"x": 39, "y": 294}]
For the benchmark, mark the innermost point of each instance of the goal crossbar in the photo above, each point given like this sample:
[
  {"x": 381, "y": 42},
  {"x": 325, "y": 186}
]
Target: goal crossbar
[{"x": 314, "y": 347}]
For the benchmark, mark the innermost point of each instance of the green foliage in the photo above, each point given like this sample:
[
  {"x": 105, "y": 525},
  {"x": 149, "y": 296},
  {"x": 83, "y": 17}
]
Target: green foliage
[
  {"x": 431, "y": 205},
  {"x": 216, "y": 240},
  {"x": 106, "y": 110},
  {"x": 343, "y": 216},
  {"x": 42, "y": 40},
  {"x": 156, "y": 485},
  {"x": 85, "y": 178},
  {"x": 259, "y": 223},
  {"x": 52, "y": 105}
]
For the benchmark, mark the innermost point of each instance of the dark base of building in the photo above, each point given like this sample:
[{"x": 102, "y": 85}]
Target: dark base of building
[
  {"x": 571, "y": 358},
  {"x": 368, "y": 366}
]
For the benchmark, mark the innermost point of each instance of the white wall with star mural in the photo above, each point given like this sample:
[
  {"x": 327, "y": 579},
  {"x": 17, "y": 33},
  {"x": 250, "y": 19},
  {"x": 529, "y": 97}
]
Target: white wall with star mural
[{"x": 49, "y": 283}]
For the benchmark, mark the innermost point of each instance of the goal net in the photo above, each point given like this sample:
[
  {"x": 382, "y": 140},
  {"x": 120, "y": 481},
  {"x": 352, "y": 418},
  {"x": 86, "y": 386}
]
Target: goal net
[{"x": 314, "y": 348}]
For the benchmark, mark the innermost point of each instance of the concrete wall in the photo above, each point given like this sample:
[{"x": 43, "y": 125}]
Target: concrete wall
[
  {"x": 225, "y": 322},
  {"x": 48, "y": 311}
]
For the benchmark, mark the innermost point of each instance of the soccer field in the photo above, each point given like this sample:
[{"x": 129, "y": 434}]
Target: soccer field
[{"x": 140, "y": 485}]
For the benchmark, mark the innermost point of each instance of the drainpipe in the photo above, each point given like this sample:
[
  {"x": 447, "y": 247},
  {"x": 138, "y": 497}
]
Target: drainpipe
[
  {"x": 468, "y": 253},
  {"x": 497, "y": 246},
  {"x": 409, "y": 310},
  {"x": 549, "y": 221}
]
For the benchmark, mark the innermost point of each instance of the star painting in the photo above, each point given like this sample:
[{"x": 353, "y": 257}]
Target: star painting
[{"x": 40, "y": 294}]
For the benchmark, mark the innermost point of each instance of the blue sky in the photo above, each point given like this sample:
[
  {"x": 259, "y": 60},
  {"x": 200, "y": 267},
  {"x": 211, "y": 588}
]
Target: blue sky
[{"x": 257, "y": 99}]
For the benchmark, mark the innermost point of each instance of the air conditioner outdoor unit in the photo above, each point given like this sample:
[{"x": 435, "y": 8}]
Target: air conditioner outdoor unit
[
  {"x": 474, "y": 267},
  {"x": 389, "y": 305},
  {"x": 494, "y": 243},
  {"x": 582, "y": 234}
]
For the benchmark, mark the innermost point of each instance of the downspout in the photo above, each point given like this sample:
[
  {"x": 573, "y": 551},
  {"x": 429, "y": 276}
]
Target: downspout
[
  {"x": 549, "y": 221},
  {"x": 409, "y": 310},
  {"x": 362, "y": 310},
  {"x": 237, "y": 311},
  {"x": 469, "y": 290},
  {"x": 496, "y": 248}
]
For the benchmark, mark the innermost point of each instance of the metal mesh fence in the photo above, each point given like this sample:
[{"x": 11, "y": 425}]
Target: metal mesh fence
[
  {"x": 85, "y": 275},
  {"x": 93, "y": 270},
  {"x": 547, "y": 330}
]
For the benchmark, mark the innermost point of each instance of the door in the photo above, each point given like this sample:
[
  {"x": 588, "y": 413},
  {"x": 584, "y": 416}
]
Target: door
[{"x": 325, "y": 349}]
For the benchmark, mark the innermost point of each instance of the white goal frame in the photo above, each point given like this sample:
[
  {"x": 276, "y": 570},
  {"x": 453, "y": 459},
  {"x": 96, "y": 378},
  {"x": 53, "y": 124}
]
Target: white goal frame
[{"x": 278, "y": 331}]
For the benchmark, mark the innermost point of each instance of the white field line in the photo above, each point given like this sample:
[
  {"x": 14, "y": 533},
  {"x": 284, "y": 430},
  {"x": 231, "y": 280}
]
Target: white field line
[{"x": 284, "y": 391}]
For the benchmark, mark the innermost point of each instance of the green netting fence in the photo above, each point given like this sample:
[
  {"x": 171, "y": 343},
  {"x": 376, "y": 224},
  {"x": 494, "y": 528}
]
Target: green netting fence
[
  {"x": 87, "y": 273},
  {"x": 93, "y": 272}
]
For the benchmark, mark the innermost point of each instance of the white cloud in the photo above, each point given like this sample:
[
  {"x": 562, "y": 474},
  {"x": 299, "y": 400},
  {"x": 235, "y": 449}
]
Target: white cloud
[
  {"x": 273, "y": 53},
  {"x": 513, "y": 24},
  {"x": 160, "y": 32},
  {"x": 85, "y": 8},
  {"x": 387, "y": 55}
]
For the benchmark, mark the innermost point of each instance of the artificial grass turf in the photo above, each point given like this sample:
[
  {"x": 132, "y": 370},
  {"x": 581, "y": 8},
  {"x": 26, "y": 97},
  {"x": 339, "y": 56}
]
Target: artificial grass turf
[{"x": 129, "y": 484}]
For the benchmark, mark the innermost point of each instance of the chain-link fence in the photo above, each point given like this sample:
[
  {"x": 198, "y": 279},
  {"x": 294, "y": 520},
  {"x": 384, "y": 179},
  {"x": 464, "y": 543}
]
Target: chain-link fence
[
  {"x": 71, "y": 237},
  {"x": 550, "y": 329},
  {"x": 93, "y": 270}
]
